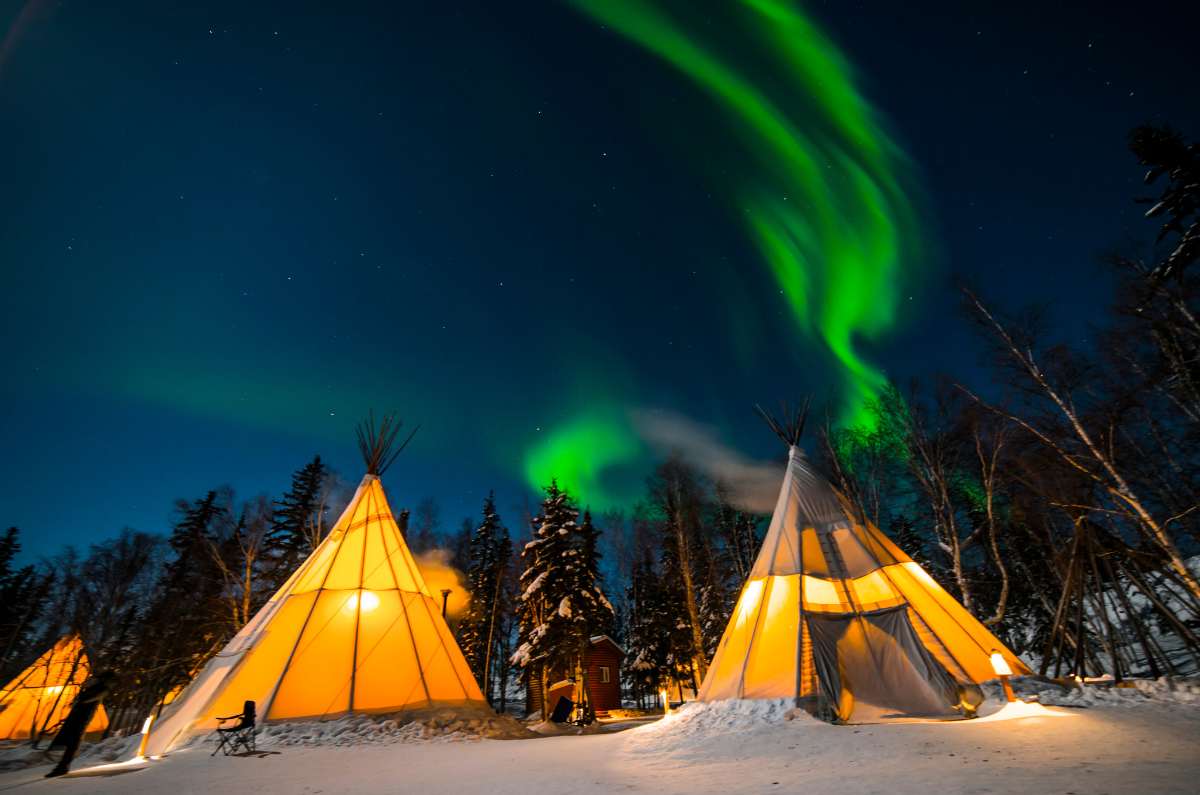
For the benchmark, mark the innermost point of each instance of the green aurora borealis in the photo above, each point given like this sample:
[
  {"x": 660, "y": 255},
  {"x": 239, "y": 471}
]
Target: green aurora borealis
[
  {"x": 577, "y": 452},
  {"x": 820, "y": 184},
  {"x": 235, "y": 311},
  {"x": 549, "y": 234},
  {"x": 822, "y": 191}
]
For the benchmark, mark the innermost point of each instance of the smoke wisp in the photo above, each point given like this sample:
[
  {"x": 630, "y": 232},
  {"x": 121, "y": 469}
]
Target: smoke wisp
[
  {"x": 438, "y": 574},
  {"x": 750, "y": 485}
]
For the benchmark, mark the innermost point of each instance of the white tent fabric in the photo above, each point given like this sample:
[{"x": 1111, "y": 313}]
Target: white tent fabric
[{"x": 835, "y": 615}]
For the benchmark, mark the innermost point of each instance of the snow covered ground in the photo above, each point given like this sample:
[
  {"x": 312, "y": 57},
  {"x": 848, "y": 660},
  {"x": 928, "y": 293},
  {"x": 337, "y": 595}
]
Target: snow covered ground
[{"x": 1138, "y": 742}]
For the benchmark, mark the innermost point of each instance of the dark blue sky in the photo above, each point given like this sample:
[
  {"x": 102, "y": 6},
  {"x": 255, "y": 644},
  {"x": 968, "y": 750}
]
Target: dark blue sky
[{"x": 229, "y": 229}]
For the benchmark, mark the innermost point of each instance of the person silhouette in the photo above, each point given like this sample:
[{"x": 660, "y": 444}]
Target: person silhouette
[{"x": 70, "y": 734}]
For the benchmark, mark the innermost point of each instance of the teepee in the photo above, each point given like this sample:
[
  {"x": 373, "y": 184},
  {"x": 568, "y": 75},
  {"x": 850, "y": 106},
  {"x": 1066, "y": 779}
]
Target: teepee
[
  {"x": 354, "y": 629},
  {"x": 34, "y": 704},
  {"x": 836, "y": 616}
]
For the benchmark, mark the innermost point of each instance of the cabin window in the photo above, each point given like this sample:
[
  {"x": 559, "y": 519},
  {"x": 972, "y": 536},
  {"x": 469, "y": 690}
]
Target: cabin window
[{"x": 604, "y": 674}]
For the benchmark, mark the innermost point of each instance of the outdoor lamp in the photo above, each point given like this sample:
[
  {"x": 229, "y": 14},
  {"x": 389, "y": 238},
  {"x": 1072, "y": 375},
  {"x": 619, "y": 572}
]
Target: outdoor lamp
[
  {"x": 1000, "y": 666},
  {"x": 141, "y": 754}
]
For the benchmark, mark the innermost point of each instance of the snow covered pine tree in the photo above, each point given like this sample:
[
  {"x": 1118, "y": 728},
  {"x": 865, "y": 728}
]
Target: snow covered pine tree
[
  {"x": 585, "y": 607},
  {"x": 561, "y": 601}
]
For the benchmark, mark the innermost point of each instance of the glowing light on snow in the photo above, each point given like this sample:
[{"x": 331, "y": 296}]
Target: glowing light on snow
[
  {"x": 1000, "y": 665},
  {"x": 817, "y": 181},
  {"x": 1014, "y": 710}
]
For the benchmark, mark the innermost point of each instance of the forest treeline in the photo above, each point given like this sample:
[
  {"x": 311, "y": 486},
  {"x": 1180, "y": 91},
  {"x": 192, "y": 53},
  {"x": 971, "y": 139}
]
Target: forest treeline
[{"x": 1059, "y": 501}]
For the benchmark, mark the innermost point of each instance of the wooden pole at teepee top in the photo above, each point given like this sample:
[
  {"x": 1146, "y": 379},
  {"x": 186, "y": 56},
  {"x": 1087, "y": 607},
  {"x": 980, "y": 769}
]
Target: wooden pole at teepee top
[
  {"x": 376, "y": 444},
  {"x": 789, "y": 424}
]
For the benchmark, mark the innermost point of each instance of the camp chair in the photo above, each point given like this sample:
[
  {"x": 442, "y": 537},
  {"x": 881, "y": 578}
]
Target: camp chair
[{"x": 240, "y": 736}]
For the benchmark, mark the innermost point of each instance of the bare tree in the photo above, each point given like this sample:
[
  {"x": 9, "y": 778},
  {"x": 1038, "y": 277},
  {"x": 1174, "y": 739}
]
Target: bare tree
[
  {"x": 989, "y": 438},
  {"x": 237, "y": 556},
  {"x": 934, "y": 460},
  {"x": 1083, "y": 450}
]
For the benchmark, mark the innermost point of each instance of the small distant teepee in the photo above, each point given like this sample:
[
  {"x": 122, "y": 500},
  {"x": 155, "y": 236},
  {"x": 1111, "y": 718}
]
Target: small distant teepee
[
  {"x": 34, "y": 704},
  {"x": 354, "y": 629},
  {"x": 837, "y": 617}
]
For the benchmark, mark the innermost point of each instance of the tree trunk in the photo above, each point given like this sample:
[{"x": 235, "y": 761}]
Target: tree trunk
[
  {"x": 544, "y": 683},
  {"x": 689, "y": 590},
  {"x": 988, "y": 465}
]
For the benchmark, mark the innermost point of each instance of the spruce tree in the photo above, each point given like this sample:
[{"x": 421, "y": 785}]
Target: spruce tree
[
  {"x": 546, "y": 630},
  {"x": 1165, "y": 153},
  {"x": 648, "y": 630},
  {"x": 593, "y": 612},
  {"x": 189, "y": 614},
  {"x": 585, "y": 605},
  {"x": 298, "y": 520},
  {"x": 479, "y": 632},
  {"x": 23, "y": 594}
]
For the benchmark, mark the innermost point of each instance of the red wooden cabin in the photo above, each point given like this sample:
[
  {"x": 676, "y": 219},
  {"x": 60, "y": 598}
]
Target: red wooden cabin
[{"x": 603, "y": 679}]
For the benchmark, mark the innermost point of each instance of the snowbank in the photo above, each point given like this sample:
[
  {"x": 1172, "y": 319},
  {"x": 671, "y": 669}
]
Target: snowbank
[
  {"x": 688, "y": 728},
  {"x": 438, "y": 726},
  {"x": 1166, "y": 691},
  {"x": 718, "y": 749},
  {"x": 549, "y": 728}
]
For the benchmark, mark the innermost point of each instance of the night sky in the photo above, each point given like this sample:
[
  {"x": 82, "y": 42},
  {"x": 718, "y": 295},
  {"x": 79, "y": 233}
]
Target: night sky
[{"x": 227, "y": 231}]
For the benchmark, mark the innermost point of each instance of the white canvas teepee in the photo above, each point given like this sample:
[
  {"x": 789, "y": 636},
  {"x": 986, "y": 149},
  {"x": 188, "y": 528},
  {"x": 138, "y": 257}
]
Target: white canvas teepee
[
  {"x": 837, "y": 617},
  {"x": 354, "y": 629}
]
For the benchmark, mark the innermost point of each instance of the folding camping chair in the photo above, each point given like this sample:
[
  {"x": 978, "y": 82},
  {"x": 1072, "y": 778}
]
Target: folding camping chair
[{"x": 240, "y": 736}]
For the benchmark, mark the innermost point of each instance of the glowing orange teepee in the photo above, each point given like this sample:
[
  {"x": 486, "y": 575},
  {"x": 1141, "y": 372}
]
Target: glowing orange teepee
[
  {"x": 837, "y": 617},
  {"x": 34, "y": 703},
  {"x": 354, "y": 629}
]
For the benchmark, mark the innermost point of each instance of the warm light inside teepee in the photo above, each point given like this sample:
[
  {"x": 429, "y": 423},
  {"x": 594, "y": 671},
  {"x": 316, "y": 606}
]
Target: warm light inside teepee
[
  {"x": 835, "y": 612},
  {"x": 750, "y": 598},
  {"x": 39, "y": 698},
  {"x": 354, "y": 629},
  {"x": 370, "y": 601}
]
